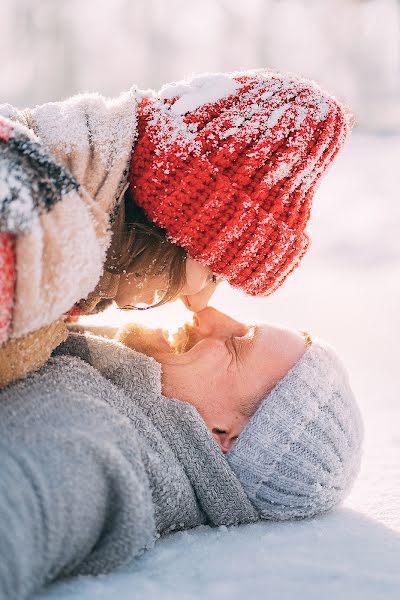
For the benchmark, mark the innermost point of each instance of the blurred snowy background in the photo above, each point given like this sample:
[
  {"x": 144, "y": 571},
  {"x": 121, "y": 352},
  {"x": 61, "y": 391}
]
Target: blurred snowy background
[
  {"x": 347, "y": 290},
  {"x": 54, "y": 48}
]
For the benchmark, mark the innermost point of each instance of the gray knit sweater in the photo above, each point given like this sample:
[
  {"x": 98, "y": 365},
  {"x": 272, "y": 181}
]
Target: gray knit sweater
[{"x": 95, "y": 463}]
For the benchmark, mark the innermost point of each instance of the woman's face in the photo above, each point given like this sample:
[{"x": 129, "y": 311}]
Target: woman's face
[{"x": 134, "y": 290}]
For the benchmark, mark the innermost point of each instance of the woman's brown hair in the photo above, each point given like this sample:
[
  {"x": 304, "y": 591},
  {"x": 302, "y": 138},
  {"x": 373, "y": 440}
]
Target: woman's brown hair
[{"x": 140, "y": 247}]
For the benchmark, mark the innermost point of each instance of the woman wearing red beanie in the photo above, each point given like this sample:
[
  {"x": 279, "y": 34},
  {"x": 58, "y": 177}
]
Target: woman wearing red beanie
[{"x": 151, "y": 196}]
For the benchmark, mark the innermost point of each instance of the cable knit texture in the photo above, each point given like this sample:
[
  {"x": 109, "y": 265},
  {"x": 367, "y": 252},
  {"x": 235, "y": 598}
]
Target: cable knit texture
[
  {"x": 300, "y": 452},
  {"x": 228, "y": 165}
]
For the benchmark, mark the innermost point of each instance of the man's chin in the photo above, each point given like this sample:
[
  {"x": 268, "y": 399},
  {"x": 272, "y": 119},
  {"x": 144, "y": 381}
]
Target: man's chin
[
  {"x": 156, "y": 342},
  {"x": 152, "y": 342},
  {"x": 184, "y": 339}
]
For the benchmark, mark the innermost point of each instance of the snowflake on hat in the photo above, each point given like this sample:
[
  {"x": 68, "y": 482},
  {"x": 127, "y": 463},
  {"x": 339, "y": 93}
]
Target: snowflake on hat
[{"x": 228, "y": 165}]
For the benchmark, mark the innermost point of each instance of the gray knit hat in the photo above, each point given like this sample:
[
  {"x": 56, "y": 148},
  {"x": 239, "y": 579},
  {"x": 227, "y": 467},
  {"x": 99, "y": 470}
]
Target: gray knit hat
[{"x": 300, "y": 452}]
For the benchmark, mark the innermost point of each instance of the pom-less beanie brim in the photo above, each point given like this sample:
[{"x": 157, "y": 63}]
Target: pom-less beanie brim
[
  {"x": 300, "y": 452},
  {"x": 228, "y": 164}
]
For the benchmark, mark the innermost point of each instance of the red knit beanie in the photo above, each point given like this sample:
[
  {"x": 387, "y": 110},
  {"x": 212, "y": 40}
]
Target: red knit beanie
[{"x": 228, "y": 164}]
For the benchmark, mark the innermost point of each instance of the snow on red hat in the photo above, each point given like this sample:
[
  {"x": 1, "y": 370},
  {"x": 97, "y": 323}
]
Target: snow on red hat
[{"x": 228, "y": 164}]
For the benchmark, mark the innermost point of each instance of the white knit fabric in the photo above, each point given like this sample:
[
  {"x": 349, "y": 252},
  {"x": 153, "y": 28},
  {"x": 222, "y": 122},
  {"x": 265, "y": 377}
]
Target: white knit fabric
[{"x": 301, "y": 450}]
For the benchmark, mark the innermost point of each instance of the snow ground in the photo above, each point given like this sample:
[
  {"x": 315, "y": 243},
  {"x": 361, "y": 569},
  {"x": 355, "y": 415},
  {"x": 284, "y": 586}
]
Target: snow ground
[{"x": 347, "y": 291}]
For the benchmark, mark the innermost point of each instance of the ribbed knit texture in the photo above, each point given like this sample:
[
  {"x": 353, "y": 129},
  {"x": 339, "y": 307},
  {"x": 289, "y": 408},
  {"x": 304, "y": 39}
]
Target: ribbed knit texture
[
  {"x": 301, "y": 451},
  {"x": 228, "y": 165}
]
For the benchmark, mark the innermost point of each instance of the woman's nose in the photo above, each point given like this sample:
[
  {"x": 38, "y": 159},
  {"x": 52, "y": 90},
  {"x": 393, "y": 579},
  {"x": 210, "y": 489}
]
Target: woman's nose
[
  {"x": 199, "y": 301},
  {"x": 212, "y": 323}
]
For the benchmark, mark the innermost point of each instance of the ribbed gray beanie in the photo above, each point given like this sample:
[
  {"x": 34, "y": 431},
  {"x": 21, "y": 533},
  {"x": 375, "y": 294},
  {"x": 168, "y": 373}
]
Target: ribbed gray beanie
[{"x": 300, "y": 452}]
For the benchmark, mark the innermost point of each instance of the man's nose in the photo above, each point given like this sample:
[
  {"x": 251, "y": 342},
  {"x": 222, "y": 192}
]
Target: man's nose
[
  {"x": 225, "y": 439},
  {"x": 211, "y": 323}
]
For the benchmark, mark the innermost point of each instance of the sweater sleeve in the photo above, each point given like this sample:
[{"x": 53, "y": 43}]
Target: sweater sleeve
[
  {"x": 74, "y": 497},
  {"x": 63, "y": 505}
]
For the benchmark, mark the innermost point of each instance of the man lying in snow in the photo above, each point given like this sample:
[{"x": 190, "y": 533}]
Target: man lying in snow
[{"x": 98, "y": 458}]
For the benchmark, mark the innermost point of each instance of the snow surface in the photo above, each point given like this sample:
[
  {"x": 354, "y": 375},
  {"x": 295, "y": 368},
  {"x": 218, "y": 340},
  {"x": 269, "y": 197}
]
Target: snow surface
[{"x": 348, "y": 292}]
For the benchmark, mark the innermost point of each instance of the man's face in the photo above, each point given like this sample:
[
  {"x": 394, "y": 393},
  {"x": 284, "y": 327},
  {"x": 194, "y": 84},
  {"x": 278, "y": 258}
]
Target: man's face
[{"x": 222, "y": 367}]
